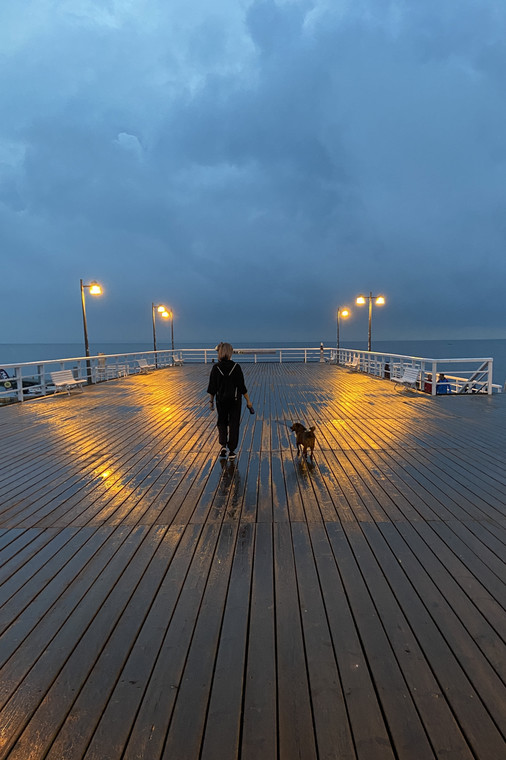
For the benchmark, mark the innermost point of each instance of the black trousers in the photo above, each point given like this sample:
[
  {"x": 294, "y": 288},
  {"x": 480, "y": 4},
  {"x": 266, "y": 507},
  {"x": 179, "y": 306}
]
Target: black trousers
[{"x": 229, "y": 418}]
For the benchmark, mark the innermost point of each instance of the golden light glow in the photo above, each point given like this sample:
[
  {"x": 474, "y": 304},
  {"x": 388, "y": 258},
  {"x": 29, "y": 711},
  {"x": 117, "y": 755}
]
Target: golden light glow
[
  {"x": 361, "y": 300},
  {"x": 165, "y": 314},
  {"x": 345, "y": 313},
  {"x": 95, "y": 289},
  {"x": 380, "y": 301},
  {"x": 161, "y": 309}
]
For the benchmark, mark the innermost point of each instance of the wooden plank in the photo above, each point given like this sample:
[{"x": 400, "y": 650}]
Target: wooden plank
[
  {"x": 264, "y": 503},
  {"x": 151, "y": 723},
  {"x": 41, "y": 665},
  {"x": 295, "y": 718},
  {"x": 471, "y": 635},
  {"x": 132, "y": 590},
  {"x": 471, "y": 564},
  {"x": 35, "y": 560},
  {"x": 370, "y": 734},
  {"x": 14, "y": 541},
  {"x": 332, "y": 727},
  {"x": 24, "y": 611},
  {"x": 295, "y": 506},
  {"x": 407, "y": 733},
  {"x": 473, "y": 718},
  {"x": 259, "y": 725},
  {"x": 222, "y": 730},
  {"x": 189, "y": 713},
  {"x": 108, "y": 738},
  {"x": 250, "y": 503}
]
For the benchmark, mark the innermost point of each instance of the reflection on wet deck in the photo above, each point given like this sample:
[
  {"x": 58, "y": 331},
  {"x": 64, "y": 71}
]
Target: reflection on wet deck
[{"x": 156, "y": 602}]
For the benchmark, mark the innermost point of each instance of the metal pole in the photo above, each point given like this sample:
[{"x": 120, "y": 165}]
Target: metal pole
[
  {"x": 172, "y": 329},
  {"x": 86, "y": 344},
  {"x": 370, "y": 320},
  {"x": 338, "y": 315},
  {"x": 154, "y": 333}
]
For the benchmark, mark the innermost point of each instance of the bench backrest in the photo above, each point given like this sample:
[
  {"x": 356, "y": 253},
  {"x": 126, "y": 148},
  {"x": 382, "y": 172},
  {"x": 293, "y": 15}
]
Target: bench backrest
[
  {"x": 410, "y": 374},
  {"x": 62, "y": 376},
  {"x": 142, "y": 362}
]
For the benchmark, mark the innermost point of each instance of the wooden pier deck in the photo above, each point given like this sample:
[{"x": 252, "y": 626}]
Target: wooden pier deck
[{"x": 156, "y": 603}]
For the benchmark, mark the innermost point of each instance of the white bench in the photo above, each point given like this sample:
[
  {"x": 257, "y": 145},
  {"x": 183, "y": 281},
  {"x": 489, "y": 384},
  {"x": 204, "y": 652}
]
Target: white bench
[
  {"x": 144, "y": 366},
  {"x": 112, "y": 371},
  {"x": 63, "y": 379},
  {"x": 177, "y": 360},
  {"x": 409, "y": 377},
  {"x": 118, "y": 370},
  {"x": 354, "y": 365}
]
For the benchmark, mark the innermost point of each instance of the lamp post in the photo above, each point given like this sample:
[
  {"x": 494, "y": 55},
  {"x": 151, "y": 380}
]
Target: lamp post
[
  {"x": 163, "y": 313},
  {"x": 344, "y": 313},
  {"x": 171, "y": 315},
  {"x": 379, "y": 301},
  {"x": 95, "y": 290}
]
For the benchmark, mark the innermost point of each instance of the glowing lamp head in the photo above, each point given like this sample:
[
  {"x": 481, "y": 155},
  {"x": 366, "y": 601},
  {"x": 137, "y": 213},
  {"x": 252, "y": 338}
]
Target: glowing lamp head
[
  {"x": 361, "y": 300},
  {"x": 161, "y": 309},
  {"x": 345, "y": 313},
  {"x": 380, "y": 301},
  {"x": 165, "y": 314},
  {"x": 95, "y": 289}
]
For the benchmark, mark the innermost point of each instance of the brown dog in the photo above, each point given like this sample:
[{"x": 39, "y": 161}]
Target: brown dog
[{"x": 305, "y": 439}]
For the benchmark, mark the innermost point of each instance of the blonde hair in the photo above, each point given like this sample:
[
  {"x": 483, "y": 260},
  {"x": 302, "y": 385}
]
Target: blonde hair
[{"x": 225, "y": 351}]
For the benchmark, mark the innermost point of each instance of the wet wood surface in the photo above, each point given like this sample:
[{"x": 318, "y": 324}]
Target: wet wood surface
[{"x": 156, "y": 602}]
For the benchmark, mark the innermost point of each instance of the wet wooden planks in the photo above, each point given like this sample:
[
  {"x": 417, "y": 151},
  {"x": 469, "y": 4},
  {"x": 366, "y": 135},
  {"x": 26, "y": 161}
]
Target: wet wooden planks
[{"x": 156, "y": 602}]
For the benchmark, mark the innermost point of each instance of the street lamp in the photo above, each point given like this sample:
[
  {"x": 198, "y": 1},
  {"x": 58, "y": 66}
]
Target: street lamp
[
  {"x": 95, "y": 290},
  {"x": 341, "y": 313},
  {"x": 379, "y": 301},
  {"x": 171, "y": 315},
  {"x": 163, "y": 313}
]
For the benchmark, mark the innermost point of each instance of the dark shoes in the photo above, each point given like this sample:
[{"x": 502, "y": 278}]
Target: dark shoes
[{"x": 223, "y": 454}]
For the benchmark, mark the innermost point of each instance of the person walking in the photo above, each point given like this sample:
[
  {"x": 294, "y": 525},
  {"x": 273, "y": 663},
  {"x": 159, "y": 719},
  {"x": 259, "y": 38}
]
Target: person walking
[{"x": 226, "y": 385}]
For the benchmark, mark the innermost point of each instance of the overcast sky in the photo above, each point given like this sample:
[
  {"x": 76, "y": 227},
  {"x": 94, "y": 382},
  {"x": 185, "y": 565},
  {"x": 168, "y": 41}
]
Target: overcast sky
[{"x": 253, "y": 164}]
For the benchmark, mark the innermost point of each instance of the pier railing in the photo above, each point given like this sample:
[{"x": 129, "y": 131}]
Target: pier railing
[
  {"x": 466, "y": 375},
  {"x": 457, "y": 376}
]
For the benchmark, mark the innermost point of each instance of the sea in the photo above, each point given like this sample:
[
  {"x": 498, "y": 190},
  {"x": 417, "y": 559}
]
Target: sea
[{"x": 14, "y": 353}]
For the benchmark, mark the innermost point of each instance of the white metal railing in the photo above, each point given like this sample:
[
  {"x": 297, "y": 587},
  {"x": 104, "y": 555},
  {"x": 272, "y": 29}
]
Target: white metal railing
[
  {"x": 32, "y": 379},
  {"x": 458, "y": 376}
]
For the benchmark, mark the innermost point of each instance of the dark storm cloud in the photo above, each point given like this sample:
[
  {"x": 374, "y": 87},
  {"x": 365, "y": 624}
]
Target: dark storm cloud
[{"x": 254, "y": 167}]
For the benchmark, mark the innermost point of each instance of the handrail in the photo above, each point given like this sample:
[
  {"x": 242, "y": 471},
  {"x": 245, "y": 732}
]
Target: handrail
[
  {"x": 478, "y": 379},
  {"x": 32, "y": 379}
]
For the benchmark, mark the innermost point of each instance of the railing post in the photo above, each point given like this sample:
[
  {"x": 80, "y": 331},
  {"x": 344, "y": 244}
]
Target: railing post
[
  {"x": 490, "y": 367},
  {"x": 19, "y": 383},
  {"x": 434, "y": 378}
]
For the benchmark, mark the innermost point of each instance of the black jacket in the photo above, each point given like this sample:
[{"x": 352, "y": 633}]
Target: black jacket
[{"x": 216, "y": 378}]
